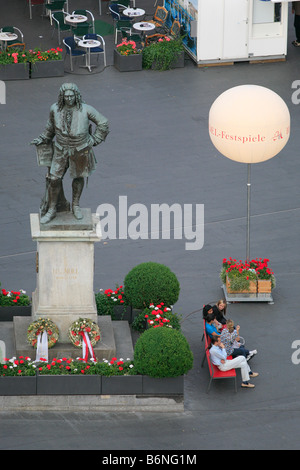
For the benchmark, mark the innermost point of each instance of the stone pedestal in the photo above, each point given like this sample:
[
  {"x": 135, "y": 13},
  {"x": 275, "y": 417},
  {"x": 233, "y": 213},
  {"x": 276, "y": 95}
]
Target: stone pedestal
[{"x": 65, "y": 269}]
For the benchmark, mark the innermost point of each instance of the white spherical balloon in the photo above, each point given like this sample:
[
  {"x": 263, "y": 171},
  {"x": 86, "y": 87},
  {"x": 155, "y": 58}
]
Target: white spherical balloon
[{"x": 249, "y": 123}]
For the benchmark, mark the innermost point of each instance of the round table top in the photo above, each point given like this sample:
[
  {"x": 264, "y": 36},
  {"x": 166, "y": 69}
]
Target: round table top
[
  {"x": 89, "y": 43},
  {"x": 144, "y": 26},
  {"x": 132, "y": 12},
  {"x": 6, "y": 36},
  {"x": 76, "y": 18}
]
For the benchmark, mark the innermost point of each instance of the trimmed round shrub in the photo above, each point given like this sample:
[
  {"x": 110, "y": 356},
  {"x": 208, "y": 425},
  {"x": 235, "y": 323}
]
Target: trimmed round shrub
[
  {"x": 150, "y": 283},
  {"x": 162, "y": 352}
]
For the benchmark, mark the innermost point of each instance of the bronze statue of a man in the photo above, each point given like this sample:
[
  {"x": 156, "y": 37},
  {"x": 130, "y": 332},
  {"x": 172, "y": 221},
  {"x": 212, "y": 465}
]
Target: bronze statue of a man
[{"x": 70, "y": 123}]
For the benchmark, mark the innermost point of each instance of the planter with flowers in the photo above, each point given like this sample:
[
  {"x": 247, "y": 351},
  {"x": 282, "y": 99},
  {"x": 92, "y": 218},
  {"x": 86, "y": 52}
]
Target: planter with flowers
[
  {"x": 127, "y": 58},
  {"x": 251, "y": 279},
  {"x": 113, "y": 303},
  {"x": 156, "y": 315},
  {"x": 17, "y": 376},
  {"x": 77, "y": 377},
  {"x": 46, "y": 63},
  {"x": 14, "y": 65},
  {"x": 265, "y": 277},
  {"x": 14, "y": 303},
  {"x": 17, "y": 64},
  {"x": 164, "y": 54}
]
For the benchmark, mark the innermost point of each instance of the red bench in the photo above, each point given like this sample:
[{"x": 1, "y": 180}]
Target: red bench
[{"x": 214, "y": 372}]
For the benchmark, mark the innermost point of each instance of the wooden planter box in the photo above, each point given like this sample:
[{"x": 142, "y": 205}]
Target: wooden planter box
[
  {"x": 130, "y": 63},
  {"x": 264, "y": 286},
  {"x": 18, "y": 386},
  {"x": 68, "y": 385},
  {"x": 48, "y": 68},
  {"x": 8, "y": 313},
  {"x": 122, "y": 385},
  {"x": 14, "y": 71},
  {"x": 251, "y": 291}
]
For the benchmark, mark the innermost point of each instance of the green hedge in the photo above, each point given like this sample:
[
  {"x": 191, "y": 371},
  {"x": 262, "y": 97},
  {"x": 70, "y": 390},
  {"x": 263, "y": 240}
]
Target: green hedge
[
  {"x": 162, "y": 352},
  {"x": 151, "y": 282}
]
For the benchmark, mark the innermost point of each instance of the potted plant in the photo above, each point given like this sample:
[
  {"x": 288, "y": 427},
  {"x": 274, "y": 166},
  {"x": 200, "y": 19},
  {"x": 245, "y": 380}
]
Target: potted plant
[
  {"x": 265, "y": 277},
  {"x": 162, "y": 356},
  {"x": 78, "y": 377},
  {"x": 251, "y": 276},
  {"x": 14, "y": 303},
  {"x": 17, "y": 64},
  {"x": 113, "y": 303},
  {"x": 127, "y": 57},
  {"x": 239, "y": 277},
  {"x": 164, "y": 54},
  {"x": 151, "y": 283},
  {"x": 67, "y": 377},
  {"x": 46, "y": 63},
  {"x": 122, "y": 379},
  {"x": 14, "y": 65},
  {"x": 18, "y": 376},
  {"x": 156, "y": 315}
]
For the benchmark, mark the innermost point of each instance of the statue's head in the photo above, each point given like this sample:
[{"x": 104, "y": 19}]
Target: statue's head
[{"x": 64, "y": 90}]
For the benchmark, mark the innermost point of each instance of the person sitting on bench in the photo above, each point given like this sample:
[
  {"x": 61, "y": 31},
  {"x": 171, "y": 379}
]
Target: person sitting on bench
[
  {"x": 212, "y": 326},
  {"x": 218, "y": 357}
]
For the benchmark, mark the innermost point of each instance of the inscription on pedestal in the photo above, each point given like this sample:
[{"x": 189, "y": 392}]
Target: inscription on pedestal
[{"x": 65, "y": 274}]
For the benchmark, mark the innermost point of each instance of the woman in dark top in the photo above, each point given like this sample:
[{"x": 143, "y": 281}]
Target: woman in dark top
[{"x": 220, "y": 311}]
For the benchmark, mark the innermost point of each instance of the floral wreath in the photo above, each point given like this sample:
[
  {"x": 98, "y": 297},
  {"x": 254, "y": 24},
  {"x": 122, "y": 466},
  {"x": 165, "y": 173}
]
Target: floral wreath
[
  {"x": 38, "y": 327},
  {"x": 81, "y": 326}
]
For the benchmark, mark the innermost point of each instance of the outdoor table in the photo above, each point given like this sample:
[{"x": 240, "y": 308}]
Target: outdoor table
[
  {"x": 75, "y": 19},
  {"x": 5, "y": 37},
  {"x": 88, "y": 44},
  {"x": 144, "y": 26},
  {"x": 133, "y": 12}
]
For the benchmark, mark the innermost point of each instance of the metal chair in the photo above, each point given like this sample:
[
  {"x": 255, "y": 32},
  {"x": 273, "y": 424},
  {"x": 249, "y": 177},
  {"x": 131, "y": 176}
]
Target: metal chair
[
  {"x": 71, "y": 49},
  {"x": 120, "y": 21},
  {"x": 13, "y": 29},
  {"x": 159, "y": 18},
  {"x": 80, "y": 30},
  {"x": 59, "y": 23},
  {"x": 33, "y": 3},
  {"x": 136, "y": 37},
  {"x": 173, "y": 33},
  {"x": 97, "y": 50},
  {"x": 54, "y": 5},
  {"x": 90, "y": 16}
]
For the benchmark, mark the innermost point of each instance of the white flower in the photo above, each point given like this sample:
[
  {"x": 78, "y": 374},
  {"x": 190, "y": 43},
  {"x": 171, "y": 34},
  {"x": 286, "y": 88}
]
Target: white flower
[{"x": 131, "y": 366}]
